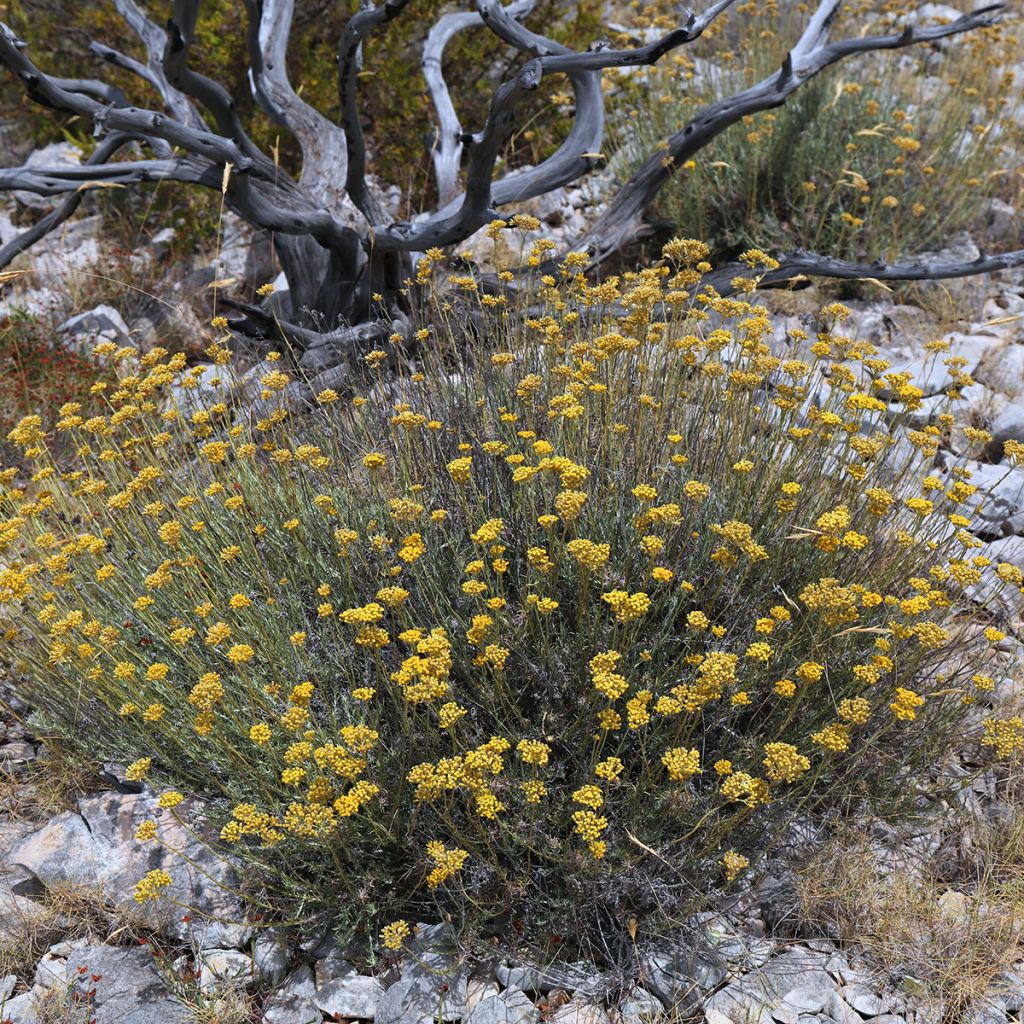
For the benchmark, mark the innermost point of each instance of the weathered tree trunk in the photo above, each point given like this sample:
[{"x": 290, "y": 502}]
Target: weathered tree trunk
[{"x": 336, "y": 244}]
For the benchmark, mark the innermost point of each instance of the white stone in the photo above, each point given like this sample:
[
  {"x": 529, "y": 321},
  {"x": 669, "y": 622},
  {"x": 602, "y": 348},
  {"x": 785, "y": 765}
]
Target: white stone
[
  {"x": 225, "y": 969},
  {"x": 96, "y": 848},
  {"x": 349, "y": 994}
]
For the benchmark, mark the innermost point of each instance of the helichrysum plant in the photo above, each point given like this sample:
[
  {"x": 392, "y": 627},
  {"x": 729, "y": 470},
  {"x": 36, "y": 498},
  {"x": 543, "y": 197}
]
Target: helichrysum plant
[{"x": 565, "y": 616}]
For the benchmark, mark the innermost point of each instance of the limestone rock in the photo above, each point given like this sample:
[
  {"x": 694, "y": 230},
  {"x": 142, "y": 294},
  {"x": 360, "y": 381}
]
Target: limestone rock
[
  {"x": 513, "y": 1006},
  {"x": 84, "y": 330},
  {"x": 128, "y": 988},
  {"x": 349, "y": 994},
  {"x": 293, "y": 1002},
  {"x": 96, "y": 848},
  {"x": 580, "y": 1011},
  {"x": 419, "y": 1000},
  {"x": 575, "y": 977},
  {"x": 222, "y": 969}
]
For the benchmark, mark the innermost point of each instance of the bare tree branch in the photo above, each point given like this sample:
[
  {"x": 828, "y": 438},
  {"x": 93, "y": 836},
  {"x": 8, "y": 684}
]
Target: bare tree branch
[
  {"x": 447, "y": 151},
  {"x": 41, "y": 88},
  {"x": 52, "y": 181},
  {"x": 349, "y": 50},
  {"x": 319, "y": 348},
  {"x": 92, "y": 87},
  {"x": 324, "y": 155},
  {"x": 100, "y": 155},
  {"x": 213, "y": 96},
  {"x": 801, "y": 264},
  {"x": 478, "y": 202},
  {"x": 154, "y": 39},
  {"x": 622, "y": 221}
]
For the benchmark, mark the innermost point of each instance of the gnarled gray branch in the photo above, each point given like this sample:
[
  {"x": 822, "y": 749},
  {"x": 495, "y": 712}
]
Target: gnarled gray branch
[
  {"x": 212, "y": 95},
  {"x": 45, "y": 185},
  {"x": 349, "y": 50},
  {"x": 446, "y": 153},
  {"x": 801, "y": 263},
  {"x": 482, "y": 195},
  {"x": 154, "y": 39},
  {"x": 324, "y": 154}
]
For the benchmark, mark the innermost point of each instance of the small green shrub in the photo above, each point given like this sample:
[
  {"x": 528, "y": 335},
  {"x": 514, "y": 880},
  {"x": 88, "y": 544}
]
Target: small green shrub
[
  {"x": 564, "y": 623},
  {"x": 874, "y": 159}
]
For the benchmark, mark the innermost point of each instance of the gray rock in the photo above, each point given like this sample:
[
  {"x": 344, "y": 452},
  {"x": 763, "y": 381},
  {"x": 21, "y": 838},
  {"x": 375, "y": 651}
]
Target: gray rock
[
  {"x": 285, "y": 1009},
  {"x": 16, "y": 753},
  {"x": 97, "y": 849},
  {"x": 639, "y": 1005},
  {"x": 1011, "y": 987},
  {"x": 222, "y": 969},
  {"x": 479, "y": 989},
  {"x": 756, "y": 994},
  {"x": 580, "y": 1012},
  {"x": 293, "y": 1002},
  {"x": 513, "y": 1006},
  {"x": 679, "y": 975},
  {"x": 23, "y": 919},
  {"x": 102, "y": 323},
  {"x": 433, "y": 967},
  {"x": 349, "y": 994},
  {"x": 841, "y": 1011},
  {"x": 929, "y": 371},
  {"x": 419, "y": 1000},
  {"x": 1000, "y": 495},
  {"x": 576, "y": 977},
  {"x": 19, "y": 1010},
  {"x": 739, "y": 1003},
  {"x": 129, "y": 990},
  {"x": 51, "y": 970},
  {"x": 864, "y": 1000},
  {"x": 270, "y": 955},
  {"x": 804, "y": 999},
  {"x": 7, "y": 984},
  {"x": 1001, "y": 222},
  {"x": 1003, "y": 370},
  {"x": 1008, "y": 426}
]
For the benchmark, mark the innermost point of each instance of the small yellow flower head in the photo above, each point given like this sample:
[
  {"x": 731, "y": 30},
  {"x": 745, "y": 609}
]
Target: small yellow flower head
[
  {"x": 783, "y": 763},
  {"x": 626, "y": 606},
  {"x": 609, "y": 769},
  {"x": 260, "y": 734},
  {"x": 373, "y": 461},
  {"x": 733, "y": 863},
  {"x": 151, "y": 886},
  {"x": 460, "y": 469},
  {"x": 533, "y": 790},
  {"x": 533, "y": 752},
  {"x": 449, "y": 714},
  {"x": 682, "y": 764},
  {"x": 136, "y": 771},
  {"x": 393, "y": 936},
  {"x": 146, "y": 831},
  {"x": 809, "y": 672}
]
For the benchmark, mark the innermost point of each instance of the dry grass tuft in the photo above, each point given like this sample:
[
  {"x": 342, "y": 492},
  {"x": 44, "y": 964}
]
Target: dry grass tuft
[{"x": 949, "y": 926}]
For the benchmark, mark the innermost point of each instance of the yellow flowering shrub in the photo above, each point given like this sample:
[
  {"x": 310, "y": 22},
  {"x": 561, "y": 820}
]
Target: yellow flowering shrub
[{"x": 428, "y": 665}]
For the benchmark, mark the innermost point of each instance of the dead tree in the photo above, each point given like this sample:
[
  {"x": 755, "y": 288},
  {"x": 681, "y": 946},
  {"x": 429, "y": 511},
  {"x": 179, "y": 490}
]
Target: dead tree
[{"x": 336, "y": 243}]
